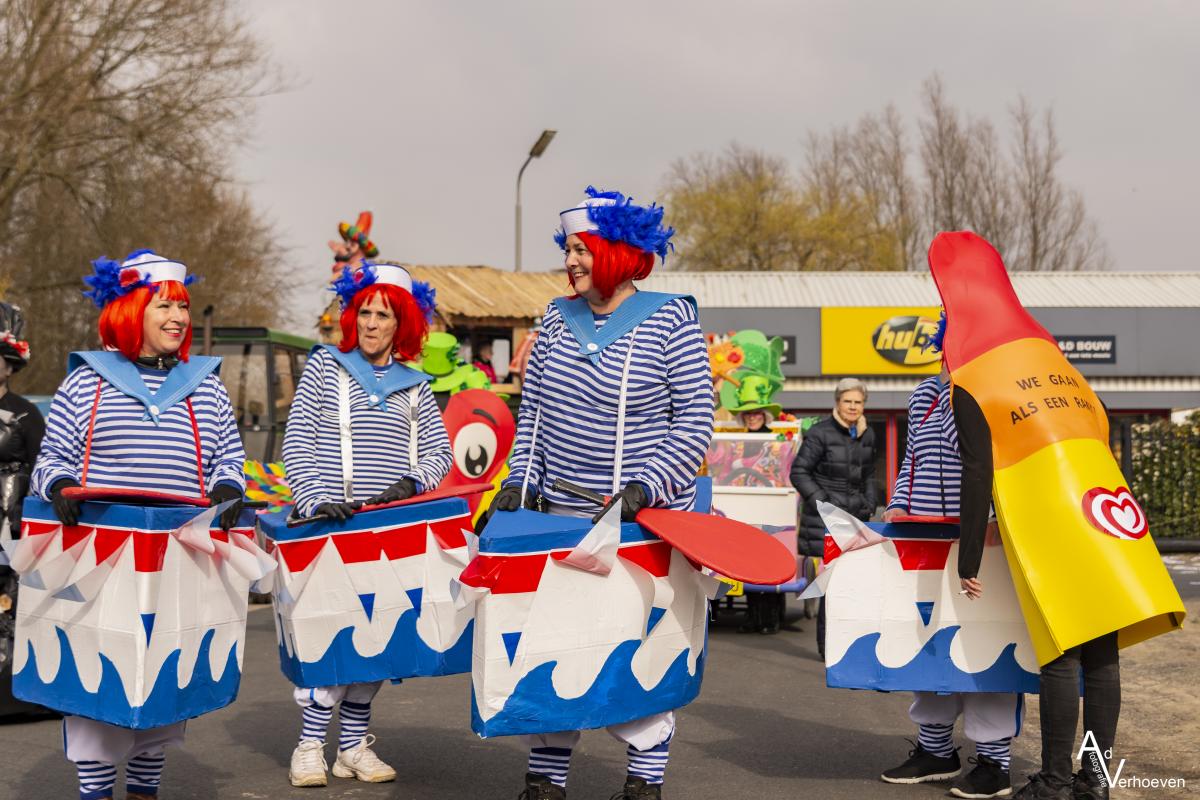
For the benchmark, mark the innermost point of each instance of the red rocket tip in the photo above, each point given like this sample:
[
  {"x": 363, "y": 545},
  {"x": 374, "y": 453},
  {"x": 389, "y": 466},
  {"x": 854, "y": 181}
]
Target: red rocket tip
[{"x": 982, "y": 309}]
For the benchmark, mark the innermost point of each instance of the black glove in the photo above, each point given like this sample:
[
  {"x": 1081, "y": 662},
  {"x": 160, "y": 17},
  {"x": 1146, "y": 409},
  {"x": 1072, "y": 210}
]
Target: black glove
[
  {"x": 400, "y": 490},
  {"x": 632, "y": 499},
  {"x": 507, "y": 499},
  {"x": 65, "y": 508},
  {"x": 339, "y": 511},
  {"x": 227, "y": 491}
]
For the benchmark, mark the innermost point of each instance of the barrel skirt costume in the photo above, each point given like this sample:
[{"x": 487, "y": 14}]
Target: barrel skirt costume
[
  {"x": 929, "y": 485},
  {"x": 569, "y": 418},
  {"x": 610, "y": 400},
  {"x": 117, "y": 424},
  {"x": 355, "y": 429}
]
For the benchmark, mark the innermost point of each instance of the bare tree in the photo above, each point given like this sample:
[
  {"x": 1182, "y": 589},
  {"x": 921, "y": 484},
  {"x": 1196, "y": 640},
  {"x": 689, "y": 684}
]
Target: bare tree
[
  {"x": 1055, "y": 232},
  {"x": 747, "y": 210},
  {"x": 116, "y": 121}
]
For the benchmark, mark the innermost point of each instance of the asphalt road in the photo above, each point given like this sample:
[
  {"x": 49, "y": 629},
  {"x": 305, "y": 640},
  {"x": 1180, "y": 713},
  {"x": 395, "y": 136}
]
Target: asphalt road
[{"x": 764, "y": 727}]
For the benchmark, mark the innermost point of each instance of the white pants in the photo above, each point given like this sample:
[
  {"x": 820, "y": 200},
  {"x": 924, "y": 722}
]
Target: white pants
[
  {"x": 88, "y": 740},
  {"x": 330, "y": 696},
  {"x": 642, "y": 733},
  {"x": 987, "y": 716}
]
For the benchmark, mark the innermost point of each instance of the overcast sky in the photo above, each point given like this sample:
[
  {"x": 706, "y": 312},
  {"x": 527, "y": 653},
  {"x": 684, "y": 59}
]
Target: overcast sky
[{"x": 424, "y": 111}]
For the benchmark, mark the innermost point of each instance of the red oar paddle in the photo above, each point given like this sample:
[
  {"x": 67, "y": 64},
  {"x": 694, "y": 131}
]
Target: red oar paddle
[
  {"x": 733, "y": 549},
  {"x": 440, "y": 493}
]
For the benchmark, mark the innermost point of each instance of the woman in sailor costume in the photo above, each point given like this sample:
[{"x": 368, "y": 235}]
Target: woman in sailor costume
[
  {"x": 929, "y": 485},
  {"x": 137, "y": 416},
  {"x": 384, "y": 321},
  {"x": 617, "y": 398}
]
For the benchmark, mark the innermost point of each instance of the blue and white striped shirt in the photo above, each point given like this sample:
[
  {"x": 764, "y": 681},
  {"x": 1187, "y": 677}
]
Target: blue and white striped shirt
[
  {"x": 312, "y": 450},
  {"x": 668, "y": 413},
  {"x": 931, "y": 475},
  {"x": 130, "y": 452}
]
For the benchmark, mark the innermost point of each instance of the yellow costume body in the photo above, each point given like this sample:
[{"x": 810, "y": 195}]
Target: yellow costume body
[{"x": 1076, "y": 540}]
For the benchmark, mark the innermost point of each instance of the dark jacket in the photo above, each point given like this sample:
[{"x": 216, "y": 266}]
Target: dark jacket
[{"x": 835, "y": 468}]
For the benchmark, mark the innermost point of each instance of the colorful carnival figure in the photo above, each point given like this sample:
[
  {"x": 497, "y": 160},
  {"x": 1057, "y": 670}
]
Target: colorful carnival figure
[
  {"x": 617, "y": 398},
  {"x": 352, "y": 247},
  {"x": 142, "y": 416},
  {"x": 350, "y": 441},
  {"x": 928, "y": 486},
  {"x": 1034, "y": 440}
]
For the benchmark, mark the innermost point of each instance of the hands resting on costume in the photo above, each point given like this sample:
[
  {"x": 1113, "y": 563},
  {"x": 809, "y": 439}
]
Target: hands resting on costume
[
  {"x": 507, "y": 499},
  {"x": 227, "y": 491},
  {"x": 632, "y": 498},
  {"x": 400, "y": 490},
  {"x": 67, "y": 508}
]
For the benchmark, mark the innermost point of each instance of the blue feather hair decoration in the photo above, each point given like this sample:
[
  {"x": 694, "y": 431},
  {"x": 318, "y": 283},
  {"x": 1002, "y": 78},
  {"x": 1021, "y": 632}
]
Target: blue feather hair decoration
[
  {"x": 622, "y": 221},
  {"x": 351, "y": 283},
  {"x": 937, "y": 339},
  {"x": 106, "y": 283}
]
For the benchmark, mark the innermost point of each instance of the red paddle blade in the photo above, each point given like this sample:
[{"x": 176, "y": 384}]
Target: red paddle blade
[
  {"x": 112, "y": 494},
  {"x": 734, "y": 549},
  {"x": 440, "y": 493}
]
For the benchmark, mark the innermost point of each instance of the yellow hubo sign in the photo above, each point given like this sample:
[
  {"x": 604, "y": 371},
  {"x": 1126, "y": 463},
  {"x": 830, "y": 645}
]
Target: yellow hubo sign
[{"x": 882, "y": 340}]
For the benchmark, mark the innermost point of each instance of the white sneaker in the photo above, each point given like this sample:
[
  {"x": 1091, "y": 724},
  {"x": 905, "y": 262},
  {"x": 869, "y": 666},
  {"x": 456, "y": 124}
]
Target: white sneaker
[
  {"x": 361, "y": 762},
  {"x": 308, "y": 764}
]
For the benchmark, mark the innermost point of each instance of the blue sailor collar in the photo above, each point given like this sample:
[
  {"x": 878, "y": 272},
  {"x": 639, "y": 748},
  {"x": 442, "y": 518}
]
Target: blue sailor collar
[
  {"x": 377, "y": 389},
  {"x": 631, "y": 313},
  {"x": 123, "y": 374}
]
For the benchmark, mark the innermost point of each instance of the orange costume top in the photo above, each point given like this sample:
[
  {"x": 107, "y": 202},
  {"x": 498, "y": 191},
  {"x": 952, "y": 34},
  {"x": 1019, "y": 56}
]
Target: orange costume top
[{"x": 1075, "y": 538}]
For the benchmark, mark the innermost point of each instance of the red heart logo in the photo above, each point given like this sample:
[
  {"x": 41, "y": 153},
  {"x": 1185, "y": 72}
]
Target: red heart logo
[{"x": 1115, "y": 513}]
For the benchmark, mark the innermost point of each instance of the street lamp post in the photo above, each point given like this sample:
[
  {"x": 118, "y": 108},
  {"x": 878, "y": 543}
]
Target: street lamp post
[{"x": 536, "y": 151}]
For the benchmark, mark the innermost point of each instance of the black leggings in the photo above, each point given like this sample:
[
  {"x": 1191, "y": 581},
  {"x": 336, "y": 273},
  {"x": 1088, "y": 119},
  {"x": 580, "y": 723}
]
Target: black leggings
[{"x": 1060, "y": 704}]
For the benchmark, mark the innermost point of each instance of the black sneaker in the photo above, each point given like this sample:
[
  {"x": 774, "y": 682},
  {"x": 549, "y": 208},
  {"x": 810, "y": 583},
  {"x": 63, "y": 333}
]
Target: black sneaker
[
  {"x": 638, "y": 789},
  {"x": 923, "y": 766},
  {"x": 539, "y": 787},
  {"x": 1039, "y": 789},
  {"x": 987, "y": 779},
  {"x": 1086, "y": 785}
]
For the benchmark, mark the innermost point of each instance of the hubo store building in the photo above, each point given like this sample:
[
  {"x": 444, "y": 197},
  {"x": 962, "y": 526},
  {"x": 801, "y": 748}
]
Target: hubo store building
[{"x": 1132, "y": 335}]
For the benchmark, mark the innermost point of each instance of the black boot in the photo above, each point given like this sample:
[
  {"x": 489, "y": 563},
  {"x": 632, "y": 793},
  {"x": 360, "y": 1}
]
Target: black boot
[
  {"x": 539, "y": 787},
  {"x": 754, "y": 613},
  {"x": 1087, "y": 785},
  {"x": 638, "y": 789},
  {"x": 1041, "y": 787}
]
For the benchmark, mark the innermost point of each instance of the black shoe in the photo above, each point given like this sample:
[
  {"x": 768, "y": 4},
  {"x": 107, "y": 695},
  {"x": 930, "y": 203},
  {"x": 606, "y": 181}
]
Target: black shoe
[
  {"x": 987, "y": 779},
  {"x": 1086, "y": 785},
  {"x": 638, "y": 789},
  {"x": 539, "y": 787},
  {"x": 1039, "y": 788},
  {"x": 923, "y": 766}
]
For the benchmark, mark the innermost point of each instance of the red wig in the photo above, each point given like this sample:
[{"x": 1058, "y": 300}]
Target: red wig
[
  {"x": 122, "y": 321},
  {"x": 411, "y": 325},
  {"x": 613, "y": 263}
]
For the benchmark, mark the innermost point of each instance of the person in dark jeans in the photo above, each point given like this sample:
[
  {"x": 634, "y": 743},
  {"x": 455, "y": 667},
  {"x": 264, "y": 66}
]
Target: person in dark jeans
[
  {"x": 836, "y": 463},
  {"x": 764, "y": 611},
  {"x": 1059, "y": 681}
]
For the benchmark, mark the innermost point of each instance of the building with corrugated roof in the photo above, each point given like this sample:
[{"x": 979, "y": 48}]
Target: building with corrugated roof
[{"x": 1132, "y": 334}]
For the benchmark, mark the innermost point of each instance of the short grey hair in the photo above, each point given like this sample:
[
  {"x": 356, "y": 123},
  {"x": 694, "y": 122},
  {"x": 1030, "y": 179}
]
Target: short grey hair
[{"x": 849, "y": 385}]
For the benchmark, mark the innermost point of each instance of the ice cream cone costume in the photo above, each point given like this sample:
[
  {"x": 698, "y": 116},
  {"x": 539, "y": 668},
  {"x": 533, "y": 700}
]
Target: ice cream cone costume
[{"x": 1075, "y": 538}]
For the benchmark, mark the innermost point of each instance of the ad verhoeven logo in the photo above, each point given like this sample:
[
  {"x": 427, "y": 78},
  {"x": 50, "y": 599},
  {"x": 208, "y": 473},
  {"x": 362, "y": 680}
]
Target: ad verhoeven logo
[{"x": 1103, "y": 772}]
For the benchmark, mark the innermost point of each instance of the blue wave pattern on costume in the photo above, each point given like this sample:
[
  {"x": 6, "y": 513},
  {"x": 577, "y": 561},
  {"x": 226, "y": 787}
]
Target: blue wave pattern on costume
[
  {"x": 860, "y": 668},
  {"x": 405, "y": 656},
  {"x": 615, "y": 697},
  {"x": 166, "y": 704}
]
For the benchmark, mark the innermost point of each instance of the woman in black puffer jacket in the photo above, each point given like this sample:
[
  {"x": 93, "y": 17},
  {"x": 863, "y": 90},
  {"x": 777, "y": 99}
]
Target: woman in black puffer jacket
[{"x": 836, "y": 464}]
